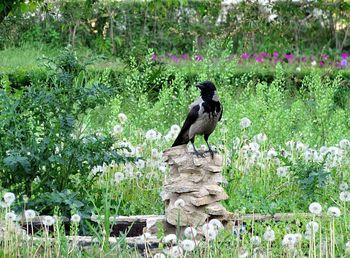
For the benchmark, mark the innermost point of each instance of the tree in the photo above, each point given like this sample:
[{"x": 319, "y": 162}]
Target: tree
[{"x": 11, "y": 6}]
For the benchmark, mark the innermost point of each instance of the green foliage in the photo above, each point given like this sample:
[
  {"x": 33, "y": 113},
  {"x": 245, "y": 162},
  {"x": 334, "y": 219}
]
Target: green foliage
[{"x": 44, "y": 143}]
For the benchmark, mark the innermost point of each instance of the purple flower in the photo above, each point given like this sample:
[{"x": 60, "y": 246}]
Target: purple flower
[
  {"x": 259, "y": 60},
  {"x": 303, "y": 59},
  {"x": 245, "y": 56},
  {"x": 344, "y": 55},
  {"x": 276, "y": 60},
  {"x": 175, "y": 59},
  {"x": 198, "y": 58},
  {"x": 275, "y": 54},
  {"x": 324, "y": 57},
  {"x": 321, "y": 63},
  {"x": 289, "y": 57},
  {"x": 262, "y": 54},
  {"x": 185, "y": 57},
  {"x": 268, "y": 55},
  {"x": 154, "y": 57},
  {"x": 343, "y": 63}
]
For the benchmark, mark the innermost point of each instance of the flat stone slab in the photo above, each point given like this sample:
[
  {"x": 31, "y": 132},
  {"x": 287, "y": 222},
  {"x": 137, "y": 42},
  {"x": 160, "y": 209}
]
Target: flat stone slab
[{"x": 208, "y": 199}]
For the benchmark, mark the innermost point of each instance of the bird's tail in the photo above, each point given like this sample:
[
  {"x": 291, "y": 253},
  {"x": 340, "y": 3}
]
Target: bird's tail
[{"x": 180, "y": 140}]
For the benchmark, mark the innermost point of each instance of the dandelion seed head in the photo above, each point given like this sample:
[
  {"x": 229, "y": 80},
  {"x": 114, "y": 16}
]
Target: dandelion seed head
[
  {"x": 140, "y": 163},
  {"x": 312, "y": 226},
  {"x": 118, "y": 177},
  {"x": 255, "y": 240},
  {"x": 269, "y": 235},
  {"x": 245, "y": 123},
  {"x": 315, "y": 208},
  {"x": 176, "y": 251},
  {"x": 282, "y": 171},
  {"x": 29, "y": 214},
  {"x": 170, "y": 239},
  {"x": 117, "y": 129},
  {"x": 122, "y": 118},
  {"x": 188, "y": 245},
  {"x": 343, "y": 186},
  {"x": 75, "y": 218},
  {"x": 9, "y": 198},
  {"x": 190, "y": 232},
  {"x": 216, "y": 224},
  {"x": 159, "y": 255},
  {"x": 333, "y": 212},
  {"x": 48, "y": 221},
  {"x": 10, "y": 216}
]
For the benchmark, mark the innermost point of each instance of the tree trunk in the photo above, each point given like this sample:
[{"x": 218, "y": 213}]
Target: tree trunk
[
  {"x": 111, "y": 30},
  {"x": 76, "y": 25}
]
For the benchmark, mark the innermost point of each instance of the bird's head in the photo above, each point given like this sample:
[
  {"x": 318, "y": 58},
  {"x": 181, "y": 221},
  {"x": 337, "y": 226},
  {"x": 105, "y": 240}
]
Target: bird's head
[{"x": 206, "y": 87}]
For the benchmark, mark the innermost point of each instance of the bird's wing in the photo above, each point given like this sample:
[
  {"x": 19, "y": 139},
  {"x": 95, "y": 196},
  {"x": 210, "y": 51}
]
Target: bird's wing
[
  {"x": 221, "y": 111},
  {"x": 192, "y": 116}
]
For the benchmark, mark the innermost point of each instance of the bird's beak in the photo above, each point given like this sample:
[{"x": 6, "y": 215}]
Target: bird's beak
[{"x": 199, "y": 86}]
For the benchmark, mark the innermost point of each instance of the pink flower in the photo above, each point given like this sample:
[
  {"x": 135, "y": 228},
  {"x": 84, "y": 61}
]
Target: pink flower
[
  {"x": 344, "y": 55},
  {"x": 275, "y": 54},
  {"x": 245, "y": 56}
]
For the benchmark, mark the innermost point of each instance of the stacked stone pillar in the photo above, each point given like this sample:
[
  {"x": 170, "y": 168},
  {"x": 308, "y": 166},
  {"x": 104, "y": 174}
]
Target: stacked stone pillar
[{"x": 192, "y": 191}]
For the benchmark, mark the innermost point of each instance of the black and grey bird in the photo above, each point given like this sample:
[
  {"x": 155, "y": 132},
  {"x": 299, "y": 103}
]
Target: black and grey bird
[{"x": 204, "y": 114}]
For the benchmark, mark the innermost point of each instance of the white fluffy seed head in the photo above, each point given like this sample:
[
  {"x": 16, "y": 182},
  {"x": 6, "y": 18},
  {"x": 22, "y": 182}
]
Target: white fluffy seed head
[
  {"x": 245, "y": 123},
  {"x": 75, "y": 218},
  {"x": 343, "y": 186},
  {"x": 190, "y": 232},
  {"x": 269, "y": 235},
  {"x": 10, "y": 216},
  {"x": 216, "y": 224},
  {"x": 333, "y": 212},
  {"x": 118, "y": 177},
  {"x": 344, "y": 196},
  {"x": 188, "y": 245},
  {"x": 170, "y": 239},
  {"x": 159, "y": 255},
  {"x": 255, "y": 240},
  {"x": 315, "y": 208},
  {"x": 9, "y": 198},
  {"x": 122, "y": 118},
  {"x": 176, "y": 251},
  {"x": 29, "y": 214},
  {"x": 312, "y": 226},
  {"x": 48, "y": 221}
]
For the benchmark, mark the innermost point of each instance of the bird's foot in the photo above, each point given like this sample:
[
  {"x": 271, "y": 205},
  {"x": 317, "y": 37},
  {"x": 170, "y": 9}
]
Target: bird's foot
[
  {"x": 211, "y": 153},
  {"x": 198, "y": 154}
]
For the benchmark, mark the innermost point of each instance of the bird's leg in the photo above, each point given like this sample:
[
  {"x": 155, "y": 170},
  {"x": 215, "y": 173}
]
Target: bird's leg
[
  {"x": 209, "y": 149},
  {"x": 195, "y": 150}
]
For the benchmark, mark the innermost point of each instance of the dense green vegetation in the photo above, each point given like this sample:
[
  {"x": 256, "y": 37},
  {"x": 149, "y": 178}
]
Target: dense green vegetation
[{"x": 92, "y": 93}]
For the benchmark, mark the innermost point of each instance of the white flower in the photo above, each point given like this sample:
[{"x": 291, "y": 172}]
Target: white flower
[
  {"x": 170, "y": 239},
  {"x": 179, "y": 203},
  {"x": 255, "y": 240},
  {"x": 245, "y": 123},
  {"x": 298, "y": 69},
  {"x": 10, "y": 216},
  {"x": 9, "y": 198},
  {"x": 48, "y": 221},
  {"x": 315, "y": 208},
  {"x": 333, "y": 212},
  {"x": 206, "y": 227},
  {"x": 271, "y": 153},
  {"x": 29, "y": 214},
  {"x": 243, "y": 254},
  {"x": 154, "y": 153},
  {"x": 312, "y": 226},
  {"x": 117, "y": 129},
  {"x": 323, "y": 150},
  {"x": 140, "y": 163},
  {"x": 289, "y": 240},
  {"x": 159, "y": 255},
  {"x": 162, "y": 167},
  {"x": 343, "y": 186},
  {"x": 175, "y": 129},
  {"x": 344, "y": 196},
  {"x": 216, "y": 224},
  {"x": 313, "y": 63},
  {"x": 269, "y": 235},
  {"x": 122, "y": 118},
  {"x": 151, "y": 135},
  {"x": 190, "y": 232},
  {"x": 282, "y": 171},
  {"x": 118, "y": 177},
  {"x": 176, "y": 251},
  {"x": 210, "y": 234},
  {"x": 188, "y": 245},
  {"x": 75, "y": 218},
  {"x": 344, "y": 144},
  {"x": 260, "y": 138}
]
